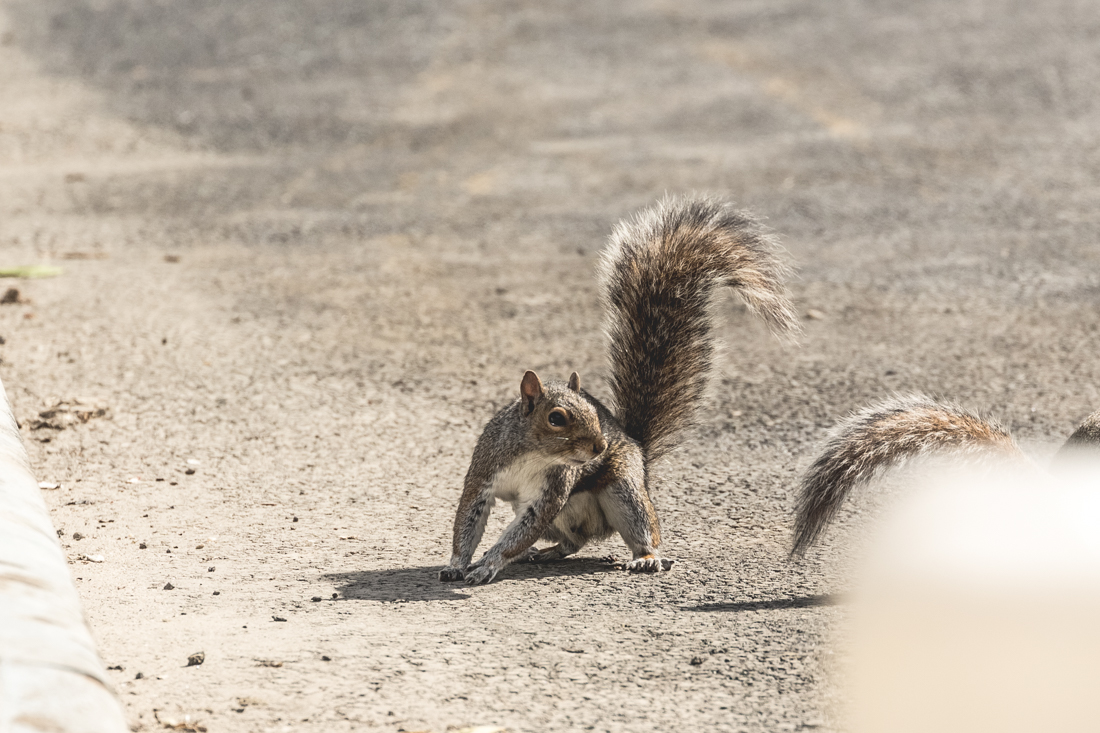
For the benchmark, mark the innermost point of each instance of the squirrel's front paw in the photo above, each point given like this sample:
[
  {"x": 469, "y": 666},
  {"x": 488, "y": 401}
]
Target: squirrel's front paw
[
  {"x": 648, "y": 564},
  {"x": 450, "y": 574},
  {"x": 481, "y": 574}
]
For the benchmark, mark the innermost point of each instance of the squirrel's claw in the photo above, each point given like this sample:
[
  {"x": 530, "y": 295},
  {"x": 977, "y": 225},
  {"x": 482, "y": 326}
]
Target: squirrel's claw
[
  {"x": 648, "y": 564},
  {"x": 481, "y": 574},
  {"x": 450, "y": 574},
  {"x": 531, "y": 554}
]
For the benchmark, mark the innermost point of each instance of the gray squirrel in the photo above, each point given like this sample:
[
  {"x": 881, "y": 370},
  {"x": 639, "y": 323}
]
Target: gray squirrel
[
  {"x": 576, "y": 471},
  {"x": 888, "y": 434}
]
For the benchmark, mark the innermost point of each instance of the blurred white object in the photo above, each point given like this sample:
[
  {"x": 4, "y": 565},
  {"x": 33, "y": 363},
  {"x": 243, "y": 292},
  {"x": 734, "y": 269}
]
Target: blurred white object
[
  {"x": 977, "y": 607},
  {"x": 51, "y": 678}
]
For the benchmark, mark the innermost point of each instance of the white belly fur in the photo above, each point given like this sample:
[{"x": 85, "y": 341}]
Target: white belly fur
[{"x": 521, "y": 481}]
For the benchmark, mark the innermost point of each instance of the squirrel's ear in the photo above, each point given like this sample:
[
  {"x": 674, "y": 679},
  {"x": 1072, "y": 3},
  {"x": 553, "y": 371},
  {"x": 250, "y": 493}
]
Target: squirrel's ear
[
  {"x": 575, "y": 382},
  {"x": 530, "y": 389}
]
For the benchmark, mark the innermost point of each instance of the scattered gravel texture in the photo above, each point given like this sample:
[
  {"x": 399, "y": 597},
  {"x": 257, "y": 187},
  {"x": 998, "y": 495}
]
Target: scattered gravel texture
[{"x": 309, "y": 247}]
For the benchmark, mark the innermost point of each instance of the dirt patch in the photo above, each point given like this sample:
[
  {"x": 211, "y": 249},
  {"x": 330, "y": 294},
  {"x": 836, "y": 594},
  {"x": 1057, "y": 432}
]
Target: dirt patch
[{"x": 337, "y": 239}]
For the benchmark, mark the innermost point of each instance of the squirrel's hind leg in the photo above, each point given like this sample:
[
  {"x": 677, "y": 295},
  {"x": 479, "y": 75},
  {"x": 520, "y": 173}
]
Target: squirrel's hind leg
[
  {"x": 630, "y": 512},
  {"x": 579, "y": 521},
  {"x": 566, "y": 543},
  {"x": 553, "y": 553}
]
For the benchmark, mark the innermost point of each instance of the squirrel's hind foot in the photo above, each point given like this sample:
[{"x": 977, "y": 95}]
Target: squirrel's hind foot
[
  {"x": 549, "y": 554},
  {"x": 648, "y": 564}
]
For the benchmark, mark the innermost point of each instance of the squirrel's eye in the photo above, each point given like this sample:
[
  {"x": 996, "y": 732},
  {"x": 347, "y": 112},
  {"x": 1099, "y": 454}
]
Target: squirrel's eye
[{"x": 557, "y": 418}]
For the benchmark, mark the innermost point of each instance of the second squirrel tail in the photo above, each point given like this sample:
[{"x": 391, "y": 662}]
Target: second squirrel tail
[
  {"x": 883, "y": 436},
  {"x": 660, "y": 274},
  {"x": 1085, "y": 439}
]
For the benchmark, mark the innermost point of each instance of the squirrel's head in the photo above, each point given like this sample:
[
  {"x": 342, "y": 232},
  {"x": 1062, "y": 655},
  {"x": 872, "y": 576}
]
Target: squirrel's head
[{"x": 563, "y": 423}]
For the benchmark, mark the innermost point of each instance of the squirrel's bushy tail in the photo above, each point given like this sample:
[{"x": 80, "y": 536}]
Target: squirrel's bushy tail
[
  {"x": 660, "y": 273},
  {"x": 1086, "y": 438},
  {"x": 882, "y": 436}
]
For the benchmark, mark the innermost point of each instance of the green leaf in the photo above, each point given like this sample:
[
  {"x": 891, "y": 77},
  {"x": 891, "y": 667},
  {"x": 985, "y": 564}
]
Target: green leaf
[{"x": 31, "y": 271}]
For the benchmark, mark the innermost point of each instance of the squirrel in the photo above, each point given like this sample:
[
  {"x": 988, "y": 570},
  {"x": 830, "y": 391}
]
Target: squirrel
[
  {"x": 575, "y": 470},
  {"x": 888, "y": 434}
]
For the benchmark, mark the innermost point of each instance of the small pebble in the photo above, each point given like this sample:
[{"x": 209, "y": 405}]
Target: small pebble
[
  {"x": 169, "y": 586},
  {"x": 196, "y": 659},
  {"x": 77, "y": 536}
]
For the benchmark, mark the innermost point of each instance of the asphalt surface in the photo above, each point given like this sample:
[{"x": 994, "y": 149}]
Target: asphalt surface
[{"x": 310, "y": 247}]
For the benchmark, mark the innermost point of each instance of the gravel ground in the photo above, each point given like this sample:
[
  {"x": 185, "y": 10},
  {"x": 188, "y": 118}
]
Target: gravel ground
[{"x": 309, "y": 248}]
